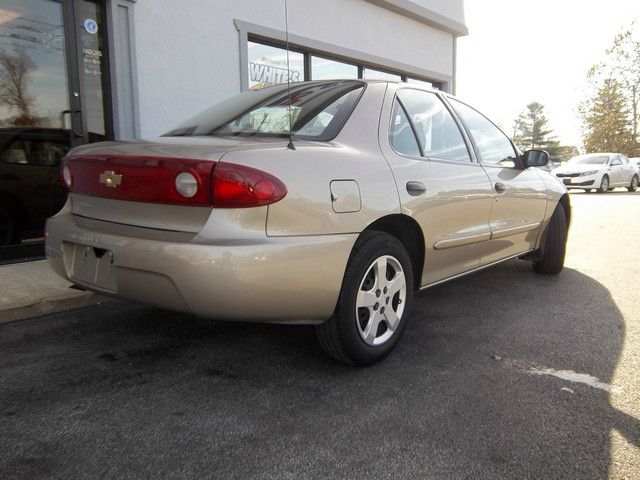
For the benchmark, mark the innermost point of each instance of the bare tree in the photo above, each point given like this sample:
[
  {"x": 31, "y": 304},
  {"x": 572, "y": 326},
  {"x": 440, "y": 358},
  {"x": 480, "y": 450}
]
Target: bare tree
[{"x": 14, "y": 82}]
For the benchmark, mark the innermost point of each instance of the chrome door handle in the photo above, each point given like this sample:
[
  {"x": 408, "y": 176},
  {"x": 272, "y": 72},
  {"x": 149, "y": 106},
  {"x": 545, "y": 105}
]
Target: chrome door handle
[
  {"x": 416, "y": 188},
  {"x": 500, "y": 187}
]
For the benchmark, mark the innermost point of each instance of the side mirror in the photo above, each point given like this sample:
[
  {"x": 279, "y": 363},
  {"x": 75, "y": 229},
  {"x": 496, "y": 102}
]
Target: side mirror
[{"x": 535, "y": 158}]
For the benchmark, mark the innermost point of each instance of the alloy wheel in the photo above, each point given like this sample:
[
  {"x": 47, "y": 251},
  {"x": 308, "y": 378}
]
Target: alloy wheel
[
  {"x": 380, "y": 300},
  {"x": 604, "y": 185}
]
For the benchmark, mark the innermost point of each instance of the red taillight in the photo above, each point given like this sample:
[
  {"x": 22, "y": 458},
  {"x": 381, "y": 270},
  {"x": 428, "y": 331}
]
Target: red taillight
[
  {"x": 171, "y": 180},
  {"x": 237, "y": 186},
  {"x": 141, "y": 179}
]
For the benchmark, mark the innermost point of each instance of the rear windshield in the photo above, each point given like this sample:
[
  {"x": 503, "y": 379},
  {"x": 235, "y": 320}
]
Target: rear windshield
[
  {"x": 589, "y": 160},
  {"x": 317, "y": 112}
]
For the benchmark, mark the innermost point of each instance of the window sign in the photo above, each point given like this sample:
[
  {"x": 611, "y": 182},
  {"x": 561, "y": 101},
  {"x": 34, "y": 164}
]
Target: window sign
[
  {"x": 268, "y": 66},
  {"x": 325, "y": 69}
]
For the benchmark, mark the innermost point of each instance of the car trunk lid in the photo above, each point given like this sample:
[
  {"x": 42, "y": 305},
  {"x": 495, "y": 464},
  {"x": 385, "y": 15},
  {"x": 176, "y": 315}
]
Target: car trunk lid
[{"x": 133, "y": 183}]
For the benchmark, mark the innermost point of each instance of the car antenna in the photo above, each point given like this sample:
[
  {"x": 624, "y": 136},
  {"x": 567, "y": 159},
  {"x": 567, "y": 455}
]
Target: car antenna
[{"x": 290, "y": 146}]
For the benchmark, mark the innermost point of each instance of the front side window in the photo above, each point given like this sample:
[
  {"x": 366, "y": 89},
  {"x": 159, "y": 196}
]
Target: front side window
[
  {"x": 314, "y": 111},
  {"x": 494, "y": 147},
  {"x": 437, "y": 131}
]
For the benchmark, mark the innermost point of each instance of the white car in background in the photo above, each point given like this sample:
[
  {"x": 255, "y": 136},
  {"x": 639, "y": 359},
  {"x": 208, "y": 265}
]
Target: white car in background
[{"x": 600, "y": 171}]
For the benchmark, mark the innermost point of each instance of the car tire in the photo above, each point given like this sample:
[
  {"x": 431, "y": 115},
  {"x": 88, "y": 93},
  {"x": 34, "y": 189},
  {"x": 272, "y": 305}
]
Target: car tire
[
  {"x": 363, "y": 335},
  {"x": 634, "y": 184},
  {"x": 552, "y": 253},
  {"x": 604, "y": 185}
]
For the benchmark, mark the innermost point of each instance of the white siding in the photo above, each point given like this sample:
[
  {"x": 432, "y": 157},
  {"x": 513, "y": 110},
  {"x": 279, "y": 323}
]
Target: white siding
[{"x": 188, "y": 53}]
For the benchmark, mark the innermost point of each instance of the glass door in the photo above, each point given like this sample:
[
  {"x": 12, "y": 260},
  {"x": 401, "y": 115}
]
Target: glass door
[{"x": 53, "y": 93}]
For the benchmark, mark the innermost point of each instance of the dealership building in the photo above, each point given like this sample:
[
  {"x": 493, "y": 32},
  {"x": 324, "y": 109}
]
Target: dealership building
[{"x": 121, "y": 69}]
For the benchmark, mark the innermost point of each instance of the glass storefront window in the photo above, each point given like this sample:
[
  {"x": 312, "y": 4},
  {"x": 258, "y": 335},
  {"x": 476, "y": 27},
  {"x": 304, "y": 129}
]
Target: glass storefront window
[
  {"x": 371, "y": 74},
  {"x": 33, "y": 78},
  {"x": 92, "y": 68},
  {"x": 424, "y": 83},
  {"x": 47, "y": 105},
  {"x": 325, "y": 69},
  {"x": 268, "y": 65}
]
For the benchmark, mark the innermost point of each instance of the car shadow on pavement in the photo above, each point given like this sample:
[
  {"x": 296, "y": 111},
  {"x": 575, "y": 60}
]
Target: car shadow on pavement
[{"x": 123, "y": 389}]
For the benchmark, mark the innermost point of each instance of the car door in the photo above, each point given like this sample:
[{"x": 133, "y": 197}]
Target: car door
[
  {"x": 616, "y": 170},
  {"x": 439, "y": 184},
  {"x": 46, "y": 148},
  {"x": 520, "y": 195},
  {"x": 627, "y": 171}
]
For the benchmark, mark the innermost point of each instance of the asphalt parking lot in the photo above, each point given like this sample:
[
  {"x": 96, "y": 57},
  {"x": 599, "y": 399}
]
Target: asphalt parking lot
[{"x": 121, "y": 390}]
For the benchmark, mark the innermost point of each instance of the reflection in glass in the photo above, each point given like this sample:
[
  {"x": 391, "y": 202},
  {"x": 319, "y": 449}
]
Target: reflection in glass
[
  {"x": 493, "y": 146},
  {"x": 268, "y": 66},
  {"x": 313, "y": 111},
  {"x": 437, "y": 131},
  {"x": 325, "y": 69},
  {"x": 402, "y": 138},
  {"x": 33, "y": 79},
  {"x": 371, "y": 74},
  {"x": 34, "y": 109},
  {"x": 92, "y": 67}
]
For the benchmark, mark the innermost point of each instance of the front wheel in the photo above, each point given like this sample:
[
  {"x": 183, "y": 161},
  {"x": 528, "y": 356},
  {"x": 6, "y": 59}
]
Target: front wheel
[
  {"x": 634, "y": 184},
  {"x": 604, "y": 185},
  {"x": 553, "y": 250},
  {"x": 374, "y": 302}
]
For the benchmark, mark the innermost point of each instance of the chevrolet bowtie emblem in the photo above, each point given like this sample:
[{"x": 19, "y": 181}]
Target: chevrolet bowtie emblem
[{"x": 110, "y": 178}]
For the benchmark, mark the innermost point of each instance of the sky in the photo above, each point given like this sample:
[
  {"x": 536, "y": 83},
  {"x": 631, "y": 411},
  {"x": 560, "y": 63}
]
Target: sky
[{"x": 520, "y": 51}]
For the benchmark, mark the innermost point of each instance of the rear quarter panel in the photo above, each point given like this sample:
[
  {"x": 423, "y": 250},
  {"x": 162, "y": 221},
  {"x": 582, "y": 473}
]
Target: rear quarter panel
[{"x": 309, "y": 170}]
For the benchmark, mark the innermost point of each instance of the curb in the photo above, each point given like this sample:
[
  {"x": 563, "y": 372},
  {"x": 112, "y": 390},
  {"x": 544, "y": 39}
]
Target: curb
[{"x": 46, "y": 306}]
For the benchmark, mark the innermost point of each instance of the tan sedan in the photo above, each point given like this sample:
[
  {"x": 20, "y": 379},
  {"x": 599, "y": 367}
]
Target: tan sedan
[{"x": 384, "y": 189}]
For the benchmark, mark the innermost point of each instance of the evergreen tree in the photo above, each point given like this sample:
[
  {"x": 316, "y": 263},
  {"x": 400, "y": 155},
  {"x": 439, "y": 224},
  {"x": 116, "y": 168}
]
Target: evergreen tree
[
  {"x": 531, "y": 130},
  {"x": 622, "y": 62},
  {"x": 606, "y": 121}
]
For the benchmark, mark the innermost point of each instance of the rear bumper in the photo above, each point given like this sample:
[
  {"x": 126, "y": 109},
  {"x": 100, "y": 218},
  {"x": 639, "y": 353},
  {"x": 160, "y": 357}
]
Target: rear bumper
[{"x": 279, "y": 280}]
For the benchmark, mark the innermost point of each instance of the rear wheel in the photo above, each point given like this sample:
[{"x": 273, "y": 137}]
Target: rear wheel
[
  {"x": 604, "y": 185},
  {"x": 374, "y": 303},
  {"x": 552, "y": 253},
  {"x": 634, "y": 184}
]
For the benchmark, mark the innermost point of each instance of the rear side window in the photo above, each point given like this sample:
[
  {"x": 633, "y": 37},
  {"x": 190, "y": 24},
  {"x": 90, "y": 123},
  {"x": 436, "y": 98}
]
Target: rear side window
[
  {"x": 493, "y": 146},
  {"x": 437, "y": 131},
  {"x": 401, "y": 136},
  {"x": 315, "y": 111}
]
